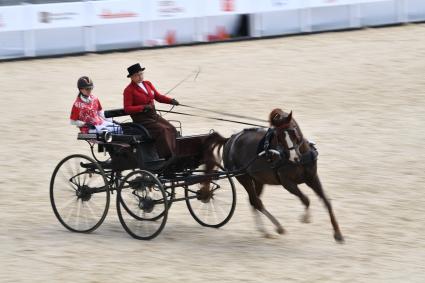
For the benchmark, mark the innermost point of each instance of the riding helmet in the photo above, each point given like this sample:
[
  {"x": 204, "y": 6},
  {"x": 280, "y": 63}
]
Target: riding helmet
[{"x": 84, "y": 82}]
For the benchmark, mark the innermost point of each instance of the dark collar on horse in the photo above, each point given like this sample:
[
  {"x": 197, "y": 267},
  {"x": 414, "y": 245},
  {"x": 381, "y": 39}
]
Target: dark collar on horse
[
  {"x": 265, "y": 148},
  {"x": 264, "y": 144}
]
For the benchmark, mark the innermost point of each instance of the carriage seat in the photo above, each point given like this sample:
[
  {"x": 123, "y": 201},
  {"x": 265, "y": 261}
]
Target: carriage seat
[
  {"x": 129, "y": 128},
  {"x": 115, "y": 113},
  {"x": 120, "y": 112}
]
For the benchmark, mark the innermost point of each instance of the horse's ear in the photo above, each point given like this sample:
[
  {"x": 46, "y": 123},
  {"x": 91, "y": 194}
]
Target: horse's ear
[{"x": 288, "y": 118}]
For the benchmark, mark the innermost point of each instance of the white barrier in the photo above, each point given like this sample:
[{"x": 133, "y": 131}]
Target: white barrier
[
  {"x": 60, "y": 28},
  {"x": 12, "y": 42}
]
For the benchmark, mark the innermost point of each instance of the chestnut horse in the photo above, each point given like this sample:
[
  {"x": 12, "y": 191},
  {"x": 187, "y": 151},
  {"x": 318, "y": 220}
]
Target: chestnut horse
[{"x": 289, "y": 161}]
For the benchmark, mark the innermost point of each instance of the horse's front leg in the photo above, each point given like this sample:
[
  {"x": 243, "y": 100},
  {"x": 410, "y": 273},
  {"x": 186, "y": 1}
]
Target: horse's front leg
[
  {"x": 260, "y": 224},
  {"x": 254, "y": 190},
  {"x": 258, "y": 187},
  {"x": 279, "y": 228},
  {"x": 315, "y": 184},
  {"x": 293, "y": 189}
]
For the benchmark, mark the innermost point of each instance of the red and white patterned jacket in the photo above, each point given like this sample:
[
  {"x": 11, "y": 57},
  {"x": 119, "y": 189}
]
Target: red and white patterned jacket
[{"x": 87, "y": 110}]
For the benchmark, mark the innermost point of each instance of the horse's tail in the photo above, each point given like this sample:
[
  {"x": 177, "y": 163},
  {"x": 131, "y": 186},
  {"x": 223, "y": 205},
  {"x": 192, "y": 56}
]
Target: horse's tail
[{"x": 213, "y": 142}]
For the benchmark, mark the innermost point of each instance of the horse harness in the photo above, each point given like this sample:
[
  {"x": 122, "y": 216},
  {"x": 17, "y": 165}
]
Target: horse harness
[{"x": 266, "y": 149}]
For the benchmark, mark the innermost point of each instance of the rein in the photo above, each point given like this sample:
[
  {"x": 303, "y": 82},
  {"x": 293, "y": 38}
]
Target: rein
[
  {"x": 212, "y": 118},
  {"x": 224, "y": 113}
]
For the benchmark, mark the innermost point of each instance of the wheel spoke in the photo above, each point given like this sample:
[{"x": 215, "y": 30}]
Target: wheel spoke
[
  {"x": 69, "y": 202},
  {"x": 90, "y": 209},
  {"x": 66, "y": 181},
  {"x": 78, "y": 214},
  {"x": 221, "y": 201},
  {"x": 85, "y": 215},
  {"x": 84, "y": 178},
  {"x": 70, "y": 212}
]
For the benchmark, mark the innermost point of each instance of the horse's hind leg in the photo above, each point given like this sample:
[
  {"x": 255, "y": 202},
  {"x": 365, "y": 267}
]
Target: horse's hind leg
[
  {"x": 315, "y": 184},
  {"x": 293, "y": 189},
  {"x": 256, "y": 203}
]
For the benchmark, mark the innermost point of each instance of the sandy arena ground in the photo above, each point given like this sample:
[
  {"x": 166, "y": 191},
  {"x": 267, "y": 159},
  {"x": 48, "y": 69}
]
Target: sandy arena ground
[{"x": 360, "y": 95}]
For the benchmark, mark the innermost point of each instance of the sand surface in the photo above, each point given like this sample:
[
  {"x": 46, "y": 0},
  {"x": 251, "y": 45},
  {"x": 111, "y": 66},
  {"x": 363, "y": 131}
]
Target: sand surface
[{"x": 359, "y": 95}]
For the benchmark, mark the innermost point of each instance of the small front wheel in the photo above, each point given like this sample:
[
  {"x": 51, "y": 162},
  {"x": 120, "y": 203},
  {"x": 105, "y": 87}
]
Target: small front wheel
[
  {"x": 79, "y": 193},
  {"x": 142, "y": 205}
]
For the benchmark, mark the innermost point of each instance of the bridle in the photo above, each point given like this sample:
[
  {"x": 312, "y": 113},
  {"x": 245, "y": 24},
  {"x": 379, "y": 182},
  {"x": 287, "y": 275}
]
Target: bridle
[{"x": 286, "y": 129}]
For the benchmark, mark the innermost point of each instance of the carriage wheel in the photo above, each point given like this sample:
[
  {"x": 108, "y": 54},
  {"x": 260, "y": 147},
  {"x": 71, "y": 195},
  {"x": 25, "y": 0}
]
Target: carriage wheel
[
  {"x": 170, "y": 196},
  {"x": 212, "y": 206},
  {"x": 79, "y": 193},
  {"x": 142, "y": 205},
  {"x": 99, "y": 156}
]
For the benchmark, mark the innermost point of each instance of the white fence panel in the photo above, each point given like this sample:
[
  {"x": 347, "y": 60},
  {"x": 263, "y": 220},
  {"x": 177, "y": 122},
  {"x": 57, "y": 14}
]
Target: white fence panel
[
  {"x": 116, "y": 12},
  {"x": 330, "y": 17},
  {"x": 12, "y": 41},
  {"x": 116, "y": 36},
  {"x": 54, "y": 16},
  {"x": 280, "y": 22},
  {"x": 415, "y": 10},
  {"x": 278, "y": 5},
  {"x": 379, "y": 13},
  {"x": 170, "y": 32},
  {"x": 58, "y": 41},
  {"x": 12, "y": 44},
  {"x": 230, "y": 7},
  {"x": 11, "y": 18},
  {"x": 174, "y": 9}
]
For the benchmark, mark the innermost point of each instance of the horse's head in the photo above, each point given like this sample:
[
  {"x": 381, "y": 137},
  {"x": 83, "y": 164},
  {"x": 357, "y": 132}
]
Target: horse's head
[{"x": 287, "y": 133}]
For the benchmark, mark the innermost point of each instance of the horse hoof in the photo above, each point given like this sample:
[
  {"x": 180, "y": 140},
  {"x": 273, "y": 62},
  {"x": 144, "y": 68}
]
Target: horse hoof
[
  {"x": 280, "y": 230},
  {"x": 339, "y": 238},
  {"x": 269, "y": 236},
  {"x": 306, "y": 218}
]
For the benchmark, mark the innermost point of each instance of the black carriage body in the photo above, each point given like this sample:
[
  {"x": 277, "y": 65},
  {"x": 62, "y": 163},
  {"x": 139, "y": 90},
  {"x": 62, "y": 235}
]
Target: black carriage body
[
  {"x": 143, "y": 155},
  {"x": 124, "y": 157},
  {"x": 135, "y": 149}
]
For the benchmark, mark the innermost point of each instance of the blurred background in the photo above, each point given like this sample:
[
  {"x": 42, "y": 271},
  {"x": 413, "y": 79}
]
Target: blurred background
[
  {"x": 49, "y": 27},
  {"x": 359, "y": 94}
]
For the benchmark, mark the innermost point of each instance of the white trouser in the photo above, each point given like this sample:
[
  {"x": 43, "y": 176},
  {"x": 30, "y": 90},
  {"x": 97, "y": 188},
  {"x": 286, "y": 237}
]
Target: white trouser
[{"x": 108, "y": 126}]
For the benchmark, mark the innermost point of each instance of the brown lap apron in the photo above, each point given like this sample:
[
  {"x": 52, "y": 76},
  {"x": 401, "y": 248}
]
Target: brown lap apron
[{"x": 161, "y": 131}]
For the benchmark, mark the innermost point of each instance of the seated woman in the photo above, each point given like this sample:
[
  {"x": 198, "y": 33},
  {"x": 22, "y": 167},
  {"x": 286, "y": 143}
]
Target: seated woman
[
  {"x": 139, "y": 98},
  {"x": 87, "y": 113}
]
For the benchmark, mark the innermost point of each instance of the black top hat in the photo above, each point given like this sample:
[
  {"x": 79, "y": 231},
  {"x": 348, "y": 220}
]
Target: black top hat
[{"x": 133, "y": 69}]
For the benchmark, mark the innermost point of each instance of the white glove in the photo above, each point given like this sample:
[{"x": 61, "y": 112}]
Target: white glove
[
  {"x": 78, "y": 123},
  {"x": 101, "y": 113}
]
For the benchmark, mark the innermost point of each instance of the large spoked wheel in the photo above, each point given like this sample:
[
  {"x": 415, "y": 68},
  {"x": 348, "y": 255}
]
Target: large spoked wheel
[
  {"x": 212, "y": 205},
  {"x": 79, "y": 193},
  {"x": 99, "y": 156},
  {"x": 142, "y": 205}
]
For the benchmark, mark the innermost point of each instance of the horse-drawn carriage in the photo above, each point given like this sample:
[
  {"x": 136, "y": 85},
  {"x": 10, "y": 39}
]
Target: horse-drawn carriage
[{"x": 145, "y": 184}]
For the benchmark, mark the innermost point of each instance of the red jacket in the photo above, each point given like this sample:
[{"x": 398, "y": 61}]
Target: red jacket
[{"x": 135, "y": 98}]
